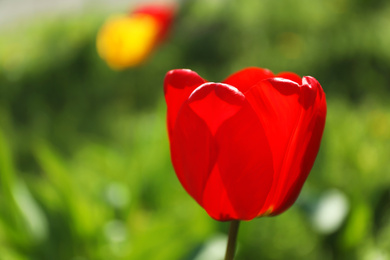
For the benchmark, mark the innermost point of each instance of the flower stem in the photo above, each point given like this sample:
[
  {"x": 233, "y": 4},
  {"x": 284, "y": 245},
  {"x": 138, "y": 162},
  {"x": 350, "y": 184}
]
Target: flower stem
[{"x": 231, "y": 246}]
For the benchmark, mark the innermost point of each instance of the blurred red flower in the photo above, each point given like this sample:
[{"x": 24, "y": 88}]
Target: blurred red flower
[
  {"x": 244, "y": 148},
  {"x": 127, "y": 40}
]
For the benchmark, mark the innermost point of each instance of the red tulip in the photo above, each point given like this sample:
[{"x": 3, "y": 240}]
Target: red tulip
[{"x": 243, "y": 148}]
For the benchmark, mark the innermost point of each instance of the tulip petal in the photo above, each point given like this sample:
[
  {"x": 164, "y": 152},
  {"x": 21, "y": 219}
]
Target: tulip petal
[
  {"x": 215, "y": 198},
  {"x": 246, "y": 78},
  {"x": 178, "y": 85},
  {"x": 221, "y": 154},
  {"x": 193, "y": 146},
  {"x": 291, "y": 76},
  {"x": 288, "y": 111},
  {"x": 307, "y": 142},
  {"x": 193, "y": 152},
  {"x": 245, "y": 162}
]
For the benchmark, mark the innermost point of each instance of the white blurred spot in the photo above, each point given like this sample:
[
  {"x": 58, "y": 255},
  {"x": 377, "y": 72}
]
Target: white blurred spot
[
  {"x": 214, "y": 248},
  {"x": 35, "y": 219},
  {"x": 115, "y": 231},
  {"x": 376, "y": 254},
  {"x": 331, "y": 211},
  {"x": 118, "y": 195},
  {"x": 118, "y": 237}
]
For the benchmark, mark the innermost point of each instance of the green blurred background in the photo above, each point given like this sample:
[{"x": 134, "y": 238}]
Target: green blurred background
[{"x": 85, "y": 171}]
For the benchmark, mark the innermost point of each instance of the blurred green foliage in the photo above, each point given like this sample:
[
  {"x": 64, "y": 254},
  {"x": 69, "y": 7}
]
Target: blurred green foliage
[{"x": 85, "y": 171}]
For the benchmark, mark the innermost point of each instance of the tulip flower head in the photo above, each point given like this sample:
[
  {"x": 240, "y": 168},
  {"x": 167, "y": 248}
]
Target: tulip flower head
[
  {"x": 127, "y": 40},
  {"x": 243, "y": 148}
]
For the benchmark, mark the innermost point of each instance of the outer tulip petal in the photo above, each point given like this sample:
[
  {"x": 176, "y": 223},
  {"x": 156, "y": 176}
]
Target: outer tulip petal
[
  {"x": 228, "y": 170},
  {"x": 307, "y": 142},
  {"x": 215, "y": 198},
  {"x": 178, "y": 85},
  {"x": 245, "y": 162},
  {"x": 246, "y": 78},
  {"x": 193, "y": 152},
  {"x": 193, "y": 146},
  {"x": 288, "y": 111},
  {"x": 291, "y": 76}
]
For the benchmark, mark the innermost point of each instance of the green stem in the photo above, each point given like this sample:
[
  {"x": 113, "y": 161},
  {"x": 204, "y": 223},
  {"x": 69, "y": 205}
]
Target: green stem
[{"x": 231, "y": 246}]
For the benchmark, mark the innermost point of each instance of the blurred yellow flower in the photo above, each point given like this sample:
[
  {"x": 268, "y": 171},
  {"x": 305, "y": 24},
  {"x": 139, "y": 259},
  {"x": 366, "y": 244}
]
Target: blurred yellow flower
[{"x": 127, "y": 40}]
